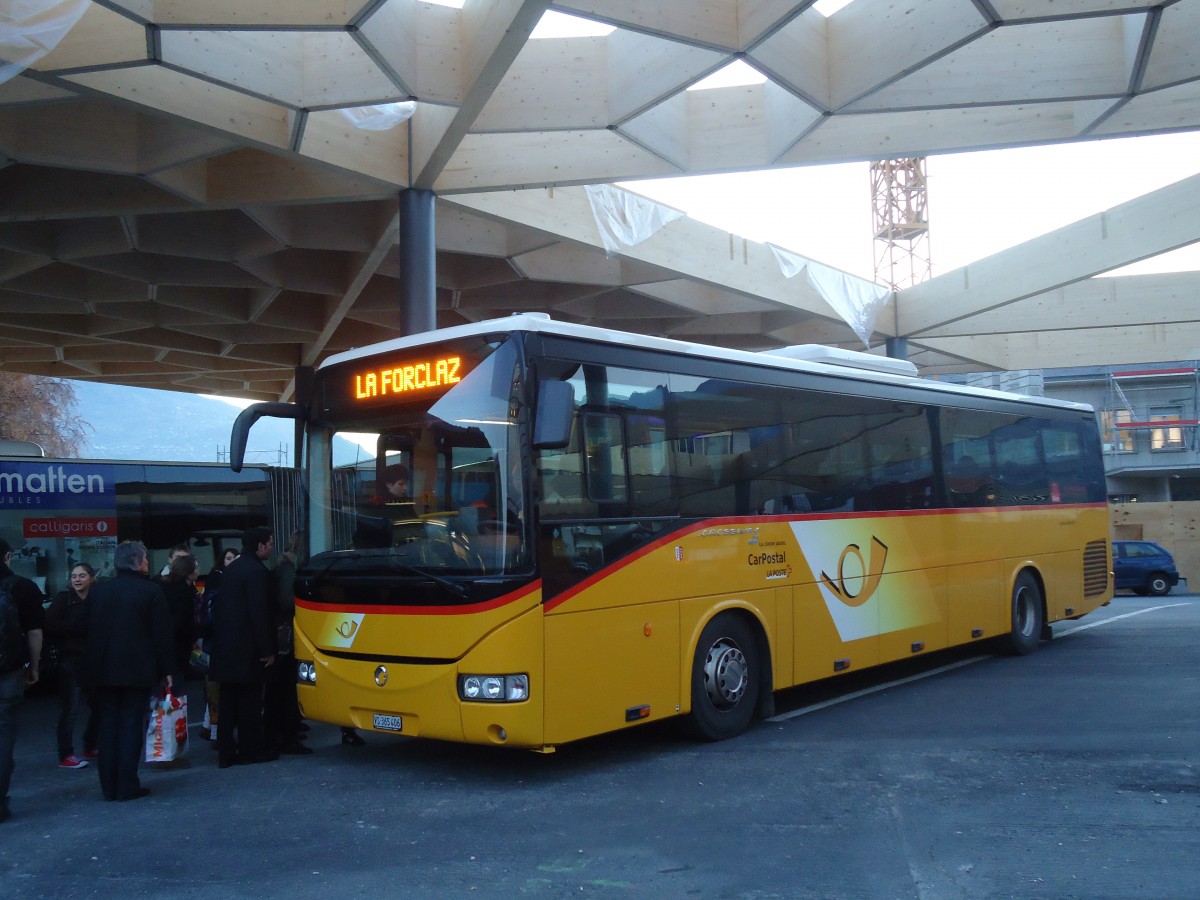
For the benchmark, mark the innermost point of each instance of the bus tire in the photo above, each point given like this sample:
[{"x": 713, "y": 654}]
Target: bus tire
[
  {"x": 1028, "y": 617},
  {"x": 725, "y": 679}
]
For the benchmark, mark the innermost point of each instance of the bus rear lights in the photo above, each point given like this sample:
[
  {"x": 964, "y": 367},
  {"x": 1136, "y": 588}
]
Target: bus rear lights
[
  {"x": 306, "y": 672},
  {"x": 493, "y": 688},
  {"x": 841, "y": 665},
  {"x": 918, "y": 646}
]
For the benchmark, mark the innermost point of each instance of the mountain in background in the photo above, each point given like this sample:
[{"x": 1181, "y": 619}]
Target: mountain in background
[{"x": 171, "y": 426}]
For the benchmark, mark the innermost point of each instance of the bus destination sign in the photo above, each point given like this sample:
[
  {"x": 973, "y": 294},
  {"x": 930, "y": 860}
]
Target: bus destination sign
[{"x": 409, "y": 379}]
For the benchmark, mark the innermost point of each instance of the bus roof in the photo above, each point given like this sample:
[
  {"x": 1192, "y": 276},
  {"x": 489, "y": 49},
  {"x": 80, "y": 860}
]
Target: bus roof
[{"x": 814, "y": 358}]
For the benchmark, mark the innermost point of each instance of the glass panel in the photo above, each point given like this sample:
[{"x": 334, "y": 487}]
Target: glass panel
[
  {"x": 967, "y": 457},
  {"x": 1117, "y": 439},
  {"x": 438, "y": 488},
  {"x": 1167, "y": 438},
  {"x": 618, "y": 459},
  {"x": 605, "y": 443}
]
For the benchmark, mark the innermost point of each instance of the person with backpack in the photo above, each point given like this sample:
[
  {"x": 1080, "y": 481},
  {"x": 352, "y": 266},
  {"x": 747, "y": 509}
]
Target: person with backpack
[{"x": 21, "y": 621}]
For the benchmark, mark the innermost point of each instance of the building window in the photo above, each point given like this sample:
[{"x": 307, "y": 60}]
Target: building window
[
  {"x": 1117, "y": 439},
  {"x": 1166, "y": 437}
]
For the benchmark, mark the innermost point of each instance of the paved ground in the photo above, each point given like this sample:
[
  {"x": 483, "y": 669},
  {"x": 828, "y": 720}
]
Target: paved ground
[{"x": 1071, "y": 773}]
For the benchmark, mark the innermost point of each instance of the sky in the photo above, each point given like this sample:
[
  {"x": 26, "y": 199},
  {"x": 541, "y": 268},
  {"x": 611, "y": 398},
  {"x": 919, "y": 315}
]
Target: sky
[{"x": 978, "y": 203}]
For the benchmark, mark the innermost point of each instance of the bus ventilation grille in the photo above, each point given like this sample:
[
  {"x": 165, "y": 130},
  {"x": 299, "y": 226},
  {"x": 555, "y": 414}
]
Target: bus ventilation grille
[{"x": 1095, "y": 569}]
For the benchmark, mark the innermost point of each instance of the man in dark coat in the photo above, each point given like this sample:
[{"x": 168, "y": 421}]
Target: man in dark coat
[
  {"x": 22, "y": 670},
  {"x": 243, "y": 649},
  {"x": 129, "y": 654}
]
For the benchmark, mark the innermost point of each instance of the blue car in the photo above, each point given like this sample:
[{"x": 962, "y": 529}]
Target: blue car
[{"x": 1144, "y": 568}]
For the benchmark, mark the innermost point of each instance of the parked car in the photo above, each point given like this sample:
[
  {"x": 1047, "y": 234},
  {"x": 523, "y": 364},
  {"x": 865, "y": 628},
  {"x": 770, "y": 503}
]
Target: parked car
[{"x": 1143, "y": 567}]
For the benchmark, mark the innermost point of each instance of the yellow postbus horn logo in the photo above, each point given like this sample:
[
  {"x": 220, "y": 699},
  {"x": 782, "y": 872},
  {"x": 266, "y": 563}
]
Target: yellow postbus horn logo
[
  {"x": 347, "y": 629},
  {"x": 868, "y": 581}
]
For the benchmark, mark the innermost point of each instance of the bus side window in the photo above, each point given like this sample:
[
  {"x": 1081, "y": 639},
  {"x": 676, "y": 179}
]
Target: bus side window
[
  {"x": 560, "y": 480},
  {"x": 604, "y": 438}
]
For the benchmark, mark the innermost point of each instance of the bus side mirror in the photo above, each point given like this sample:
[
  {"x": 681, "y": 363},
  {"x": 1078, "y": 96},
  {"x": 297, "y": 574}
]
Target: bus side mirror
[
  {"x": 555, "y": 409},
  {"x": 245, "y": 421}
]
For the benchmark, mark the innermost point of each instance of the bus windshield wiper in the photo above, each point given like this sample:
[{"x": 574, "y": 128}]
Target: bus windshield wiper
[
  {"x": 452, "y": 586},
  {"x": 337, "y": 560}
]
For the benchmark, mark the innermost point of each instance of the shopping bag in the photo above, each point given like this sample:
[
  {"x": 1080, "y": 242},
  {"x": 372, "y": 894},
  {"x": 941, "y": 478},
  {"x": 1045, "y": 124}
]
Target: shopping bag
[{"x": 166, "y": 734}]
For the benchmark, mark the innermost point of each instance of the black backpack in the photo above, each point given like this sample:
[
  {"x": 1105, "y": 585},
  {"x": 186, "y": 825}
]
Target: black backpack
[{"x": 14, "y": 651}]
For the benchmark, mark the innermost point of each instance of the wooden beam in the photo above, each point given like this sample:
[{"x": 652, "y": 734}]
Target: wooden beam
[
  {"x": 685, "y": 247},
  {"x": 1147, "y": 226},
  {"x": 496, "y": 32}
]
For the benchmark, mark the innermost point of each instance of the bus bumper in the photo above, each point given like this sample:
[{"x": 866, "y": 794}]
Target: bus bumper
[{"x": 417, "y": 699}]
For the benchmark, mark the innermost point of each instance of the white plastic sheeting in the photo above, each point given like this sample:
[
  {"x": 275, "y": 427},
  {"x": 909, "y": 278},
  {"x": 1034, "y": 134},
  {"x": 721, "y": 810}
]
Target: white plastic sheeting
[
  {"x": 857, "y": 301},
  {"x": 625, "y": 218},
  {"x": 29, "y": 29},
  {"x": 380, "y": 117}
]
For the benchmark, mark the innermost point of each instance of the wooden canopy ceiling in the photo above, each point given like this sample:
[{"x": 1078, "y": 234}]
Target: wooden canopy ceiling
[{"x": 187, "y": 200}]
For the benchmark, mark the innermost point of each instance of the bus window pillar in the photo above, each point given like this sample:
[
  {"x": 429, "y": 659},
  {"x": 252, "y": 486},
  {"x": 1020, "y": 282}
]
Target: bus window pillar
[{"x": 418, "y": 262}]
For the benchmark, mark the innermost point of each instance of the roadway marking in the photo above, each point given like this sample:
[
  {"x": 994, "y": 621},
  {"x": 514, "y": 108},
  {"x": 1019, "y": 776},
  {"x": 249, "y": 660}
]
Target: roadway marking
[
  {"x": 1136, "y": 612},
  {"x": 854, "y": 695}
]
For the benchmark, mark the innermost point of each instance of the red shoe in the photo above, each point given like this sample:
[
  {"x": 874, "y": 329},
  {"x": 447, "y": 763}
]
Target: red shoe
[{"x": 72, "y": 762}]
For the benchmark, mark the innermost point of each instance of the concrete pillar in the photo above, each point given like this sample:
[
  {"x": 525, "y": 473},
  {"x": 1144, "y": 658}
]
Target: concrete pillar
[
  {"x": 305, "y": 376},
  {"x": 418, "y": 262}
]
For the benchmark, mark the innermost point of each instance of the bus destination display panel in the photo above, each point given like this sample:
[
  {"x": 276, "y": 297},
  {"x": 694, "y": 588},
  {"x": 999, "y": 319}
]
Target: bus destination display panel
[{"x": 418, "y": 375}]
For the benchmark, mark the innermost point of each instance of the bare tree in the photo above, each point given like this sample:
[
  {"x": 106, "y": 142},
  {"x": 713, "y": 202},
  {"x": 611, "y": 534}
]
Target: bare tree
[{"x": 43, "y": 410}]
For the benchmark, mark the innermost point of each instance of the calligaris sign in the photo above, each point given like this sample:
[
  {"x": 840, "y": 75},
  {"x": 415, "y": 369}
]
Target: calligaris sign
[{"x": 43, "y": 485}]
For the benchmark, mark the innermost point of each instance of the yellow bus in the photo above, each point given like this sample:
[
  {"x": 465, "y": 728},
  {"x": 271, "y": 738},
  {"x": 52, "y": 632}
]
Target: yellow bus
[{"x": 603, "y": 529}]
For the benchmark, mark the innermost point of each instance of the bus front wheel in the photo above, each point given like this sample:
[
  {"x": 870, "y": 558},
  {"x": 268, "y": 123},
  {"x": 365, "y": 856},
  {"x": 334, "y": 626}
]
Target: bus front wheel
[
  {"x": 725, "y": 679},
  {"x": 1028, "y": 617}
]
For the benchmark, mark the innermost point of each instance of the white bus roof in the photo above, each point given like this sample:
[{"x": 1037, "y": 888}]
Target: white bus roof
[{"x": 814, "y": 358}]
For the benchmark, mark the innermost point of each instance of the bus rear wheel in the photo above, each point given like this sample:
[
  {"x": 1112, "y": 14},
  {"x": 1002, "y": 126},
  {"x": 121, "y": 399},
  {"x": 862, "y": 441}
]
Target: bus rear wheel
[
  {"x": 725, "y": 679},
  {"x": 1028, "y": 617}
]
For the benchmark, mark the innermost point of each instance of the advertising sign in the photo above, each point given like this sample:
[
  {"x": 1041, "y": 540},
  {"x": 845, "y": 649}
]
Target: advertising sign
[{"x": 44, "y": 485}]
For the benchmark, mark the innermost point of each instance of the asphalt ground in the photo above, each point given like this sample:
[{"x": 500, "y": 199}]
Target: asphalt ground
[{"x": 1069, "y": 773}]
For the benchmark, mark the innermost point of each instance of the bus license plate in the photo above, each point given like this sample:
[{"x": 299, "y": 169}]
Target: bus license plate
[{"x": 388, "y": 723}]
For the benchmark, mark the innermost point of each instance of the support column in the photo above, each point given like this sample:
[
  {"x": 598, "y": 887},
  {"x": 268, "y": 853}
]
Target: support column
[
  {"x": 418, "y": 261},
  {"x": 304, "y": 378},
  {"x": 896, "y": 347}
]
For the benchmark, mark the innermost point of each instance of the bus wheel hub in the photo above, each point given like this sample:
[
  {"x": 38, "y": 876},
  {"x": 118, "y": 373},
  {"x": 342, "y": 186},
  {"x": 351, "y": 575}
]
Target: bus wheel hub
[{"x": 725, "y": 672}]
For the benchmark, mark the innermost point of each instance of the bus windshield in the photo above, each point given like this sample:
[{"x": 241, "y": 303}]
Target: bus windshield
[{"x": 434, "y": 483}]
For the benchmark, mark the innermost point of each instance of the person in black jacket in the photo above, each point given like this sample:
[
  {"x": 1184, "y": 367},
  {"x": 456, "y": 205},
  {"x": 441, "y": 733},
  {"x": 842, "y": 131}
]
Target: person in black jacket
[
  {"x": 243, "y": 650},
  {"x": 22, "y": 670},
  {"x": 129, "y": 654},
  {"x": 281, "y": 711},
  {"x": 67, "y": 624},
  {"x": 179, "y": 587}
]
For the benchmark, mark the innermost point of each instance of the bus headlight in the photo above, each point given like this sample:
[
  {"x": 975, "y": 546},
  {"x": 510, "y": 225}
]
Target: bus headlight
[
  {"x": 306, "y": 672},
  {"x": 493, "y": 688}
]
